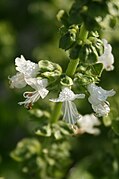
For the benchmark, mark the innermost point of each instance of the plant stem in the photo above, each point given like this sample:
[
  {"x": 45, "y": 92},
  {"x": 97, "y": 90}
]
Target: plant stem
[
  {"x": 70, "y": 72},
  {"x": 56, "y": 112},
  {"x": 71, "y": 69},
  {"x": 83, "y": 34}
]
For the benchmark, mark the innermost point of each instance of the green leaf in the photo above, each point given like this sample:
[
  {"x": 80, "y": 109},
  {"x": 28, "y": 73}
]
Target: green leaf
[
  {"x": 74, "y": 52},
  {"x": 88, "y": 54},
  {"x": 83, "y": 53},
  {"x": 65, "y": 42},
  {"x": 93, "y": 55},
  {"x": 97, "y": 69},
  {"x": 100, "y": 7}
]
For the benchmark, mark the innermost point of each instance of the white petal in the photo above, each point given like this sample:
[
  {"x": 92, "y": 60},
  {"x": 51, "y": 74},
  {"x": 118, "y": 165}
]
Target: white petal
[
  {"x": 71, "y": 114},
  {"x": 98, "y": 94},
  {"x": 17, "y": 81},
  {"x": 93, "y": 100},
  {"x": 98, "y": 98},
  {"x": 79, "y": 96},
  {"x": 88, "y": 122},
  {"x": 107, "y": 58},
  {"x": 37, "y": 83},
  {"x": 20, "y": 61},
  {"x": 28, "y": 68},
  {"x": 32, "y": 97},
  {"x": 55, "y": 100},
  {"x": 101, "y": 110},
  {"x": 67, "y": 95},
  {"x": 43, "y": 93}
]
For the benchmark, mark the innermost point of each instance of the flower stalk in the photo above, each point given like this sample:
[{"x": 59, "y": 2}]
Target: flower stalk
[{"x": 70, "y": 71}]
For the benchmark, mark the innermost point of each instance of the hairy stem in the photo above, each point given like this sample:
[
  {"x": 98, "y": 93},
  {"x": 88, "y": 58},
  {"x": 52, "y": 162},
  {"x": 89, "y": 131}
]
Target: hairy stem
[{"x": 71, "y": 69}]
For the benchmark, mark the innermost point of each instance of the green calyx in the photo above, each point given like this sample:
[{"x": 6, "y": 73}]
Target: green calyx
[
  {"x": 49, "y": 69},
  {"x": 88, "y": 74},
  {"x": 66, "y": 81}
]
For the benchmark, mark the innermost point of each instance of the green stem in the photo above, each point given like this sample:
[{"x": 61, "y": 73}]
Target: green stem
[
  {"x": 70, "y": 72},
  {"x": 83, "y": 34},
  {"x": 56, "y": 112},
  {"x": 71, "y": 69}
]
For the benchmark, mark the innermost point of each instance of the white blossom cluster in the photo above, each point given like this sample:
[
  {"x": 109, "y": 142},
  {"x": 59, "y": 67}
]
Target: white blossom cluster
[{"x": 27, "y": 74}]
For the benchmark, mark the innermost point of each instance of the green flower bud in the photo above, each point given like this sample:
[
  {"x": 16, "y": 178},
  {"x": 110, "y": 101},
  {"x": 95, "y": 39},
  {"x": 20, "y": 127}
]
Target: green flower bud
[
  {"x": 46, "y": 65},
  {"x": 66, "y": 81},
  {"x": 62, "y": 16},
  {"x": 51, "y": 75},
  {"x": 49, "y": 69},
  {"x": 83, "y": 79}
]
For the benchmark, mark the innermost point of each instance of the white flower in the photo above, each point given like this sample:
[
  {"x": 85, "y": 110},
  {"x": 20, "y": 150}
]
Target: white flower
[
  {"x": 66, "y": 96},
  {"x": 40, "y": 91},
  {"x": 26, "y": 69},
  {"x": 107, "y": 58},
  {"x": 87, "y": 124},
  {"x": 98, "y": 98},
  {"x": 17, "y": 81}
]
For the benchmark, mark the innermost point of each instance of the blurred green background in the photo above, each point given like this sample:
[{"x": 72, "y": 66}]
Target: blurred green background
[{"x": 30, "y": 28}]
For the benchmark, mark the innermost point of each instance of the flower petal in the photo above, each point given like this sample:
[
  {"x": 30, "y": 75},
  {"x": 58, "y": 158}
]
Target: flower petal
[
  {"x": 67, "y": 95},
  {"x": 107, "y": 58},
  {"x": 17, "y": 81},
  {"x": 88, "y": 122},
  {"x": 36, "y": 83},
  {"x": 101, "y": 109},
  {"x": 28, "y": 68},
  {"x": 71, "y": 114},
  {"x": 43, "y": 92},
  {"x": 98, "y": 97}
]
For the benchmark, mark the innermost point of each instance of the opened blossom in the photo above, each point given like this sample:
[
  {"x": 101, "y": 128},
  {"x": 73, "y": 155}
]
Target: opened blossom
[
  {"x": 107, "y": 58},
  {"x": 88, "y": 124},
  {"x": 98, "y": 97},
  {"x": 70, "y": 112},
  {"x": 40, "y": 91},
  {"x": 25, "y": 69}
]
